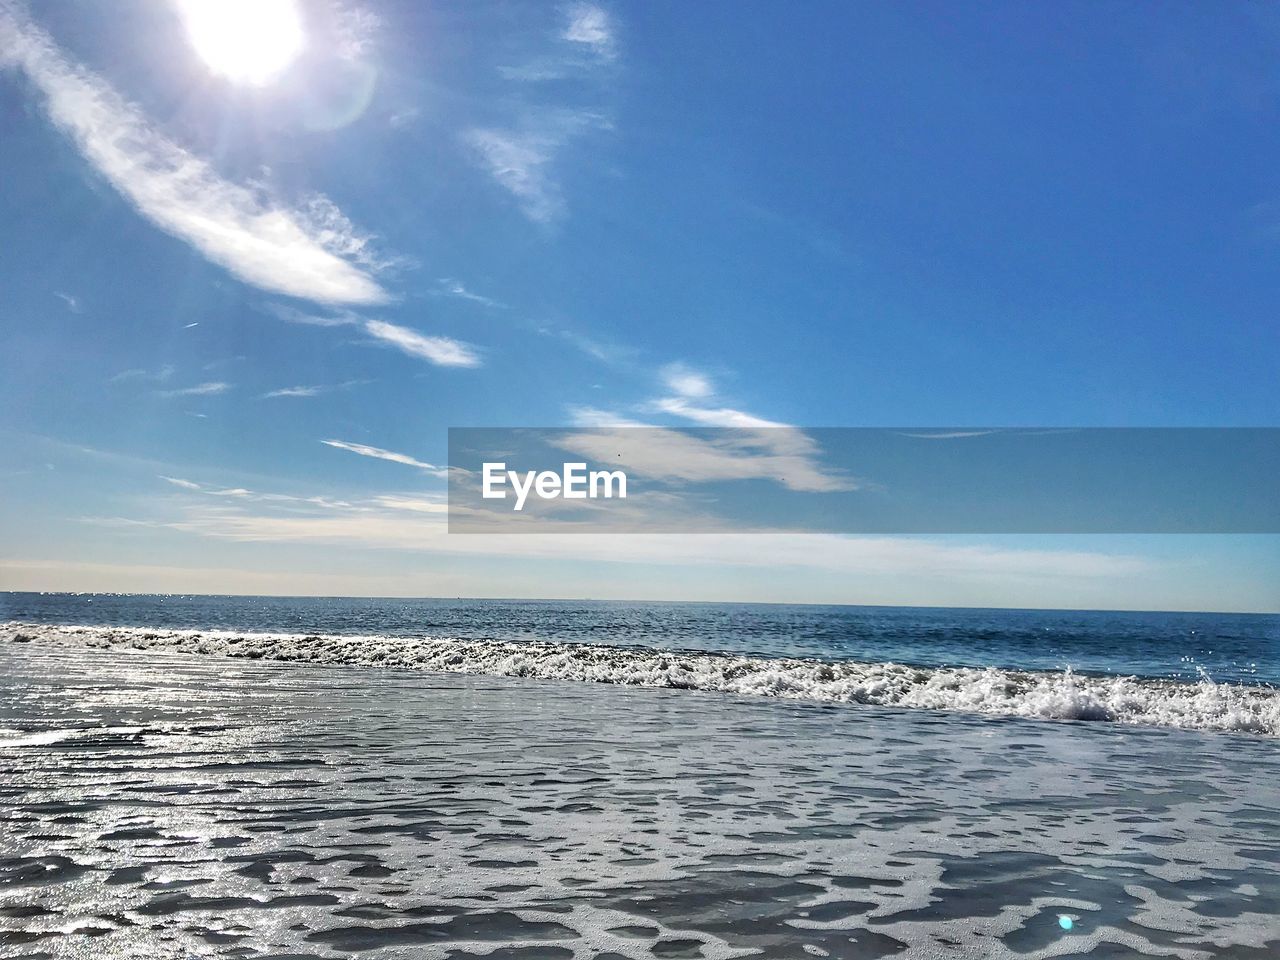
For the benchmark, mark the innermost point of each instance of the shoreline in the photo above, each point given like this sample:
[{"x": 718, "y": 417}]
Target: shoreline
[{"x": 1043, "y": 695}]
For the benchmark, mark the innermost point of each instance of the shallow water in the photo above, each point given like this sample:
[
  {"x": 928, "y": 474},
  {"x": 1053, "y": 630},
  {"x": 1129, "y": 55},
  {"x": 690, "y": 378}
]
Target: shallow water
[{"x": 160, "y": 805}]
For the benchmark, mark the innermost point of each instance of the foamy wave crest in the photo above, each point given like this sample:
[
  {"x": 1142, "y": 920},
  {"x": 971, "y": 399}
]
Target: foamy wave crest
[{"x": 1061, "y": 696}]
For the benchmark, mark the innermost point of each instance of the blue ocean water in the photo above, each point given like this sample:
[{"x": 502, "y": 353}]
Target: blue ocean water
[{"x": 1227, "y": 648}]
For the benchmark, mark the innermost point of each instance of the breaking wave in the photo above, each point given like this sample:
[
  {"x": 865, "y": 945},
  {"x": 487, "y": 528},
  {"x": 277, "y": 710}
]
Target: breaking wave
[{"x": 1049, "y": 695}]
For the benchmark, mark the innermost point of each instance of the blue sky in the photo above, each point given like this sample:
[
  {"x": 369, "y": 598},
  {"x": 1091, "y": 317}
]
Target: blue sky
[{"x": 382, "y": 220}]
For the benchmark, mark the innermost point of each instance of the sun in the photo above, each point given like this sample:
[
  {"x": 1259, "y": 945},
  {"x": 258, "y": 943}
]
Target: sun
[{"x": 246, "y": 41}]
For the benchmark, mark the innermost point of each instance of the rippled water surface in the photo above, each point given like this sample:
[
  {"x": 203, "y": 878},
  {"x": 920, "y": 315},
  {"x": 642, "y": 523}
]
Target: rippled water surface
[{"x": 161, "y": 805}]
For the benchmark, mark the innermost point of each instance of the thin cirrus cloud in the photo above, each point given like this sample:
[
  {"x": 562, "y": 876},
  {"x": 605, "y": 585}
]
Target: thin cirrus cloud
[
  {"x": 521, "y": 156},
  {"x": 589, "y": 26},
  {"x": 378, "y": 453},
  {"x": 745, "y": 447},
  {"x": 210, "y": 389},
  {"x": 312, "y": 391},
  {"x": 73, "y": 304},
  {"x": 293, "y": 392},
  {"x": 158, "y": 376},
  {"x": 519, "y": 162},
  {"x": 442, "y": 351},
  {"x": 686, "y": 381},
  {"x": 240, "y": 493},
  {"x": 418, "y": 524},
  {"x": 785, "y": 455},
  {"x": 586, "y": 42},
  {"x": 313, "y": 253},
  {"x": 448, "y": 287}
]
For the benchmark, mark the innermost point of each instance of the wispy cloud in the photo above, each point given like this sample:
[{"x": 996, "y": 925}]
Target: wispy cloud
[
  {"x": 521, "y": 155},
  {"x": 378, "y": 453},
  {"x": 454, "y": 288},
  {"x": 948, "y": 434},
  {"x": 519, "y": 161},
  {"x": 158, "y": 376},
  {"x": 716, "y": 416},
  {"x": 589, "y": 25},
  {"x": 748, "y": 446},
  {"x": 687, "y": 382},
  {"x": 72, "y": 303},
  {"x": 312, "y": 391},
  {"x": 782, "y": 454},
  {"x": 585, "y": 42},
  {"x": 292, "y": 315},
  {"x": 312, "y": 252},
  {"x": 403, "y": 118},
  {"x": 521, "y": 158},
  {"x": 609, "y": 353},
  {"x": 443, "y": 351},
  {"x": 412, "y": 504},
  {"x": 419, "y": 524},
  {"x": 241, "y": 493},
  {"x": 210, "y": 389},
  {"x": 355, "y": 30},
  {"x": 294, "y": 392}
]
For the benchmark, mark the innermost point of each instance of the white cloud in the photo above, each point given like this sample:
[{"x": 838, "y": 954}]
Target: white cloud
[
  {"x": 72, "y": 303},
  {"x": 313, "y": 253},
  {"x": 782, "y": 454},
  {"x": 412, "y": 504},
  {"x": 290, "y": 315},
  {"x": 520, "y": 154},
  {"x": 949, "y": 434},
  {"x": 379, "y": 454},
  {"x": 420, "y": 525},
  {"x": 521, "y": 158},
  {"x": 159, "y": 376},
  {"x": 199, "y": 390},
  {"x": 294, "y": 392},
  {"x": 439, "y": 350},
  {"x": 746, "y": 448},
  {"x": 403, "y": 118},
  {"x": 240, "y": 493},
  {"x": 608, "y": 353},
  {"x": 444, "y": 351},
  {"x": 589, "y": 25},
  {"x": 686, "y": 381},
  {"x": 355, "y": 30},
  {"x": 312, "y": 391},
  {"x": 716, "y": 417},
  {"x": 519, "y": 161},
  {"x": 455, "y": 288}
]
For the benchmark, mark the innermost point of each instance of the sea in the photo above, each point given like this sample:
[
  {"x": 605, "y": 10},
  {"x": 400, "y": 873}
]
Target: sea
[{"x": 193, "y": 776}]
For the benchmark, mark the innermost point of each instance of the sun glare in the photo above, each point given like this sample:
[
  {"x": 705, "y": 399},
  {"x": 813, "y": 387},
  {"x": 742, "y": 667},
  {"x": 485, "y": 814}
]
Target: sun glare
[{"x": 246, "y": 41}]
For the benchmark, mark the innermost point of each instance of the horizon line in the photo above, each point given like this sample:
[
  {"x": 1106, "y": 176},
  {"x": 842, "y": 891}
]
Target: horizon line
[{"x": 579, "y": 599}]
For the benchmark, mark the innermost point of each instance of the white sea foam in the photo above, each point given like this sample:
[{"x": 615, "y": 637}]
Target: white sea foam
[{"x": 1204, "y": 705}]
